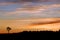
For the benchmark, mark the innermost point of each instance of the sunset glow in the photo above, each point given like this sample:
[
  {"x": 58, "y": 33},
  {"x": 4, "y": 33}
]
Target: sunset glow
[{"x": 29, "y": 15}]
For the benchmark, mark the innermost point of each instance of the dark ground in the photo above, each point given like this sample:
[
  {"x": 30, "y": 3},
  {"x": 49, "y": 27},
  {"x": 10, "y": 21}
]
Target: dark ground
[{"x": 46, "y": 35}]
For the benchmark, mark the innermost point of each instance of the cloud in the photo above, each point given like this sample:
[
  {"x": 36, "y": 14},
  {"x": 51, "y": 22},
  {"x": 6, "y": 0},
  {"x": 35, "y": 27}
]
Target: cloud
[
  {"x": 6, "y": 3},
  {"x": 48, "y": 22},
  {"x": 39, "y": 0},
  {"x": 28, "y": 9},
  {"x": 38, "y": 11},
  {"x": 33, "y": 9}
]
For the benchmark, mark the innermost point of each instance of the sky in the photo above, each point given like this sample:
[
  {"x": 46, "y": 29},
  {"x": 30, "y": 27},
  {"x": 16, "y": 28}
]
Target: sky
[
  {"x": 22, "y": 9},
  {"x": 27, "y": 9}
]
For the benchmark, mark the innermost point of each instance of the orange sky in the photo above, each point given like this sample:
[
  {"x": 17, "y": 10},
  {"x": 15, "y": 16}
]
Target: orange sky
[{"x": 27, "y": 25}]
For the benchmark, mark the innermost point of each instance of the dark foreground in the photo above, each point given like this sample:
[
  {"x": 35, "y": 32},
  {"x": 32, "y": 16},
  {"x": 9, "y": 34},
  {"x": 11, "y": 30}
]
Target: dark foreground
[{"x": 46, "y": 35}]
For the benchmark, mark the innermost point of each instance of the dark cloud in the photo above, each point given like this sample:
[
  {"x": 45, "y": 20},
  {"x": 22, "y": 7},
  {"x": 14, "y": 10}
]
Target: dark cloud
[
  {"x": 38, "y": 0},
  {"x": 9, "y": 0},
  {"x": 43, "y": 23},
  {"x": 18, "y": 0},
  {"x": 30, "y": 0},
  {"x": 27, "y": 0}
]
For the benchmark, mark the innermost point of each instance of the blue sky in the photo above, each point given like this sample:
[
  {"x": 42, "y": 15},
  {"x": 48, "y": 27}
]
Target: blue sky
[{"x": 11, "y": 10}]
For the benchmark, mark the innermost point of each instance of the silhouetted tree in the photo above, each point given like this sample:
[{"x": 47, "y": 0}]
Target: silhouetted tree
[{"x": 8, "y": 29}]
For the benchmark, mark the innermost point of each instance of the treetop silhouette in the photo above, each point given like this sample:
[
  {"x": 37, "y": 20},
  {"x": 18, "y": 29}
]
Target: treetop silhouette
[{"x": 8, "y": 29}]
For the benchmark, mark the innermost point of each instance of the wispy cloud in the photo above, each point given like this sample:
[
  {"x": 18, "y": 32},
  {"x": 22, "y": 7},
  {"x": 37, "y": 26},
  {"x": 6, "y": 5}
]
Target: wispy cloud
[
  {"x": 48, "y": 22},
  {"x": 33, "y": 10},
  {"x": 26, "y": 10},
  {"x": 6, "y": 3},
  {"x": 30, "y": 10}
]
